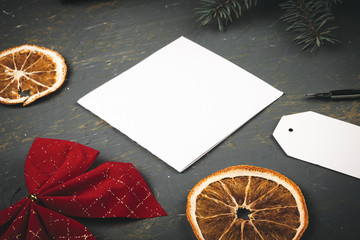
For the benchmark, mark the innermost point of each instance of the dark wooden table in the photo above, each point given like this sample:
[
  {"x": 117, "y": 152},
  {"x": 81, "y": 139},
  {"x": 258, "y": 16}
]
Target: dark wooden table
[{"x": 101, "y": 39}]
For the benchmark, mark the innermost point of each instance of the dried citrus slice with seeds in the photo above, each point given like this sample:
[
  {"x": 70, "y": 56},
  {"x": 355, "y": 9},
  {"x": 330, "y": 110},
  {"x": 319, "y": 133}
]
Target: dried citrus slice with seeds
[
  {"x": 247, "y": 203},
  {"x": 29, "y": 72}
]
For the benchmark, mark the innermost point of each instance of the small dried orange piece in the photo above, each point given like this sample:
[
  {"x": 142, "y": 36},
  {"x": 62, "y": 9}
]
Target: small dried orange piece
[
  {"x": 29, "y": 72},
  {"x": 247, "y": 203}
]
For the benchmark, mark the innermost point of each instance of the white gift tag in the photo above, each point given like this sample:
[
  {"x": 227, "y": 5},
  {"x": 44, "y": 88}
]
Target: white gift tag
[{"x": 321, "y": 140}]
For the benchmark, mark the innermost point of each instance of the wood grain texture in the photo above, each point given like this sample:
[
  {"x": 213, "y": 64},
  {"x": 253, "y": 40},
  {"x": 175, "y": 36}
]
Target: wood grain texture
[{"x": 101, "y": 39}]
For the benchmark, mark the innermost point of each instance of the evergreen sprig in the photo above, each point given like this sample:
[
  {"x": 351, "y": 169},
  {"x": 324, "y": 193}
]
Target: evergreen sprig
[
  {"x": 331, "y": 2},
  {"x": 222, "y": 11},
  {"x": 310, "y": 19}
]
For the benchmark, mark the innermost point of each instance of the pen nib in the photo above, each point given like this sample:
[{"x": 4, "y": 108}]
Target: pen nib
[{"x": 325, "y": 95}]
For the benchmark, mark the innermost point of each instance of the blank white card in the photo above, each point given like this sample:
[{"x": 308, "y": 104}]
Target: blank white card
[{"x": 180, "y": 102}]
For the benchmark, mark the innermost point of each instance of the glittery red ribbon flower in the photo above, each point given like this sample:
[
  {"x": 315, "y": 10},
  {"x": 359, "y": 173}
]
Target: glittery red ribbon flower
[{"x": 58, "y": 186}]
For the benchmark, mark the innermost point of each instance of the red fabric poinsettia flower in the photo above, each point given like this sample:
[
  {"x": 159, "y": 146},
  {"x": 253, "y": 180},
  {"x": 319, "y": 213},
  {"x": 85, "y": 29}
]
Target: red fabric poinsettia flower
[{"x": 59, "y": 187}]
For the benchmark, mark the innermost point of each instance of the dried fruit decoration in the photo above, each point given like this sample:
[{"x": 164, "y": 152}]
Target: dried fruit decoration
[
  {"x": 247, "y": 203},
  {"x": 29, "y": 72}
]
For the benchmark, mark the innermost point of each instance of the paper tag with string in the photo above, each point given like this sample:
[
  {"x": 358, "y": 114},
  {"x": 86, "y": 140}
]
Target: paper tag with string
[{"x": 321, "y": 140}]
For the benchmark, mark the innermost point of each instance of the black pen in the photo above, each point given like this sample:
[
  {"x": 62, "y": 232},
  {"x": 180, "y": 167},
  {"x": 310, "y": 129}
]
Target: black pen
[{"x": 336, "y": 94}]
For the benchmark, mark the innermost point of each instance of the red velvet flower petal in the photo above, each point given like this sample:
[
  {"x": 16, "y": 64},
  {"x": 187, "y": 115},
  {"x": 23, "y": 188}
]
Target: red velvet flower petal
[
  {"x": 35, "y": 228},
  {"x": 58, "y": 226},
  {"x": 14, "y": 220},
  {"x": 113, "y": 189},
  {"x": 27, "y": 220},
  {"x": 51, "y": 162}
]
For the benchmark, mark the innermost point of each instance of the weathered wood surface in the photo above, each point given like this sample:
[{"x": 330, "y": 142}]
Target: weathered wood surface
[{"x": 101, "y": 39}]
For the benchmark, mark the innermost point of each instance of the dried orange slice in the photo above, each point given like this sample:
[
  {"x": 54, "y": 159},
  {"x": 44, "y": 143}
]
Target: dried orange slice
[
  {"x": 247, "y": 203},
  {"x": 29, "y": 72}
]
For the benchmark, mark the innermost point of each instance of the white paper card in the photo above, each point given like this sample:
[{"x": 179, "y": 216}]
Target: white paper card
[
  {"x": 180, "y": 102},
  {"x": 321, "y": 140}
]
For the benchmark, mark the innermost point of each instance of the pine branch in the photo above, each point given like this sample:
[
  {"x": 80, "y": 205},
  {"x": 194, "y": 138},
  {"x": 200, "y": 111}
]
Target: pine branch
[
  {"x": 331, "y": 2},
  {"x": 310, "y": 18},
  {"x": 222, "y": 11}
]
